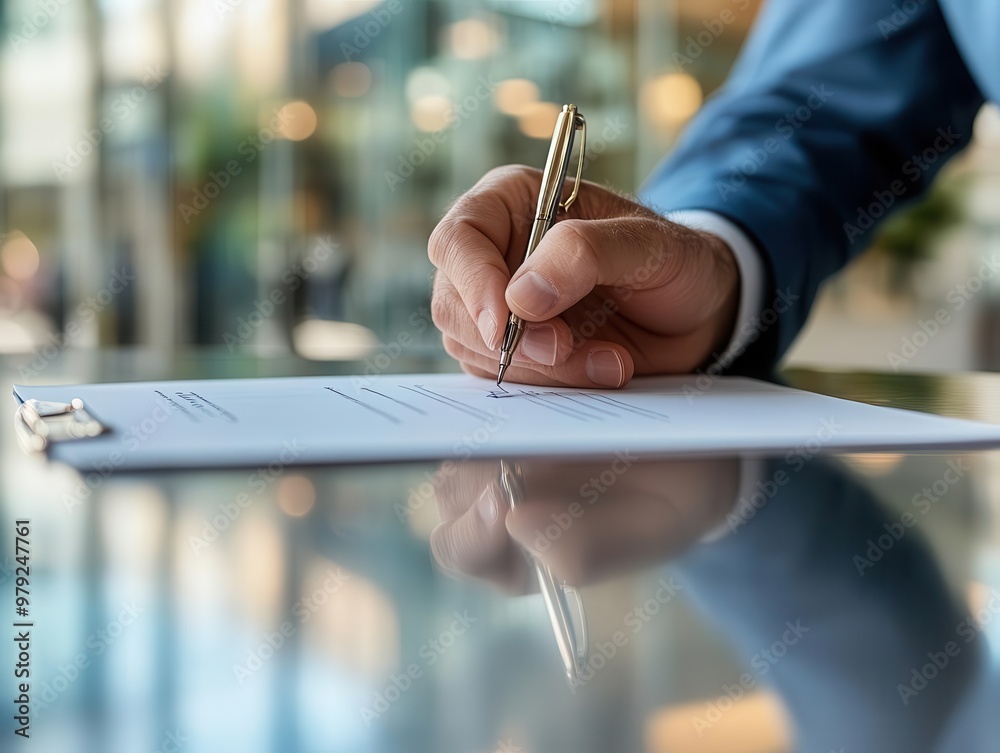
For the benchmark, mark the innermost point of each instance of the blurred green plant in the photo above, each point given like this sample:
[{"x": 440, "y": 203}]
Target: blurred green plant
[{"x": 910, "y": 236}]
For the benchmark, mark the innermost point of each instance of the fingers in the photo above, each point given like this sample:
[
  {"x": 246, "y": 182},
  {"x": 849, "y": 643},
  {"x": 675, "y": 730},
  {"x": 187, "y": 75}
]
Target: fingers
[
  {"x": 661, "y": 279},
  {"x": 469, "y": 246},
  {"x": 473, "y": 540},
  {"x": 595, "y": 364},
  {"x": 547, "y": 343}
]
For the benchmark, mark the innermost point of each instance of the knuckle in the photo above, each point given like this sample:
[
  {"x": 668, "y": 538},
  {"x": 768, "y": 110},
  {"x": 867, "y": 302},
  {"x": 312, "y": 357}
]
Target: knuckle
[
  {"x": 441, "y": 309},
  {"x": 454, "y": 349},
  {"x": 577, "y": 247},
  {"x": 509, "y": 173},
  {"x": 441, "y": 241}
]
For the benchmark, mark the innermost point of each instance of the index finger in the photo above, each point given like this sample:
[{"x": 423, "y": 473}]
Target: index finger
[{"x": 471, "y": 243}]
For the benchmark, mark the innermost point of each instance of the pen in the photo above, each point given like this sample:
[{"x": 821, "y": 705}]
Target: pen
[
  {"x": 573, "y": 653},
  {"x": 549, "y": 195}
]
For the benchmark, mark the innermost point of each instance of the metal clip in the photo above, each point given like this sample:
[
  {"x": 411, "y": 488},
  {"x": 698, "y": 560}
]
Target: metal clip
[
  {"x": 581, "y": 124},
  {"x": 39, "y": 423}
]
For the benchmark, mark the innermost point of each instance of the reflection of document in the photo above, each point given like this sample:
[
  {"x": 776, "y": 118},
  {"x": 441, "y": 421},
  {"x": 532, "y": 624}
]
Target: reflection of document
[{"x": 252, "y": 422}]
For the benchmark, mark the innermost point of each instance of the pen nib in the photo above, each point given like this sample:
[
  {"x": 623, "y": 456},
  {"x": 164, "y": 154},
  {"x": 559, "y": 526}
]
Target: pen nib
[{"x": 500, "y": 373}]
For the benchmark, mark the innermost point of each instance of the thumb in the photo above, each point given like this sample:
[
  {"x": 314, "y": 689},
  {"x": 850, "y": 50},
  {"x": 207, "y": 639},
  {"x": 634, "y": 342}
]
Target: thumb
[{"x": 577, "y": 255}]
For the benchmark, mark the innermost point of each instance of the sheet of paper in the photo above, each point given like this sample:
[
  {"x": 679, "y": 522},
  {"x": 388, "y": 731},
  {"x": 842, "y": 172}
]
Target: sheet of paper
[{"x": 256, "y": 422}]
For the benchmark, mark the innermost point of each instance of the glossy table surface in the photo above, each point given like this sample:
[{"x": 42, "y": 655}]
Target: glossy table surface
[{"x": 797, "y": 603}]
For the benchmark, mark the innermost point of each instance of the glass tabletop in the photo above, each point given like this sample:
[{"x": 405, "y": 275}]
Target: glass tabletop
[{"x": 805, "y": 602}]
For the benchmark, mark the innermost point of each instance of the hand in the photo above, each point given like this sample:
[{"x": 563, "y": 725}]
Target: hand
[
  {"x": 583, "y": 530},
  {"x": 613, "y": 290}
]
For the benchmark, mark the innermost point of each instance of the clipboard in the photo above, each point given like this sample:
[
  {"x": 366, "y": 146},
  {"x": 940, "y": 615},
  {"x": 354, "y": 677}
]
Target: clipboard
[{"x": 338, "y": 420}]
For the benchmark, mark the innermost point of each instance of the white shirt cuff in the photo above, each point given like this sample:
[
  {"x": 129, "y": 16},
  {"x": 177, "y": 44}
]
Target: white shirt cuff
[{"x": 751, "y": 268}]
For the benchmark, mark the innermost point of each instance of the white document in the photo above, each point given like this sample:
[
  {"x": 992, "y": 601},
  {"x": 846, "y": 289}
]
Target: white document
[{"x": 256, "y": 422}]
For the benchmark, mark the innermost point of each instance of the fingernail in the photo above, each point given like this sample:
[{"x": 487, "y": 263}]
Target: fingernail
[
  {"x": 486, "y": 506},
  {"x": 539, "y": 344},
  {"x": 605, "y": 367},
  {"x": 487, "y": 324},
  {"x": 533, "y": 293}
]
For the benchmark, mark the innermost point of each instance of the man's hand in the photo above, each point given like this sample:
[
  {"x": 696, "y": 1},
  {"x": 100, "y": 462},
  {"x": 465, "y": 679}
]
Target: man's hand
[
  {"x": 653, "y": 511},
  {"x": 613, "y": 290}
]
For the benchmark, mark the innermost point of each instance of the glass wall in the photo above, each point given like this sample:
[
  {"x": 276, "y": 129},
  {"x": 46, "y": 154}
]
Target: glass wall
[{"x": 262, "y": 175}]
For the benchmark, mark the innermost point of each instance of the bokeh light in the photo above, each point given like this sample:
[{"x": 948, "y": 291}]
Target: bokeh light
[
  {"x": 515, "y": 96},
  {"x": 296, "y": 495},
  {"x": 431, "y": 113},
  {"x": 19, "y": 257},
  {"x": 299, "y": 120},
  {"x": 351, "y": 79},
  {"x": 538, "y": 120},
  {"x": 671, "y": 99},
  {"x": 426, "y": 82},
  {"x": 471, "y": 39}
]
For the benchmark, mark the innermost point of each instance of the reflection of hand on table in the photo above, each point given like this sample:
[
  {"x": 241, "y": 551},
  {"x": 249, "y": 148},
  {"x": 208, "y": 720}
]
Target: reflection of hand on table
[{"x": 585, "y": 521}]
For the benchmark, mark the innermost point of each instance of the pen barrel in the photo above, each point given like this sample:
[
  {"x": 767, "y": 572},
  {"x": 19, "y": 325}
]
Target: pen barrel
[
  {"x": 554, "y": 174},
  {"x": 512, "y": 335},
  {"x": 539, "y": 228}
]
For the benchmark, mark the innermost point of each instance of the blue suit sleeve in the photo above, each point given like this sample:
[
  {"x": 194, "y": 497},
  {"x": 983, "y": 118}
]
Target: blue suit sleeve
[{"x": 837, "y": 113}]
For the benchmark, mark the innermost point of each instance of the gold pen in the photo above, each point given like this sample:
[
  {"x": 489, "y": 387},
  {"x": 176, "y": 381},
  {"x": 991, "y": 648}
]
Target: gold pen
[
  {"x": 549, "y": 196},
  {"x": 573, "y": 647}
]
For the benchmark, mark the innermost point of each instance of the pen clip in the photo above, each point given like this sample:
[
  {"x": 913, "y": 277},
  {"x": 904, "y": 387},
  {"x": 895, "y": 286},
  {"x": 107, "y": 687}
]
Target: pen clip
[
  {"x": 581, "y": 123},
  {"x": 579, "y": 623}
]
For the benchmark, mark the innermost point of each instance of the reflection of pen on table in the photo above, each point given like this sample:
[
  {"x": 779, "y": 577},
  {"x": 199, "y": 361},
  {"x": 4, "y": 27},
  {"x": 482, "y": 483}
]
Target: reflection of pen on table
[
  {"x": 549, "y": 204},
  {"x": 572, "y": 648}
]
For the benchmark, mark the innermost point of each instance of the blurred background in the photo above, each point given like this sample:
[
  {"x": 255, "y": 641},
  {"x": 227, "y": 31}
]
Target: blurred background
[
  {"x": 258, "y": 178},
  {"x": 262, "y": 175}
]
